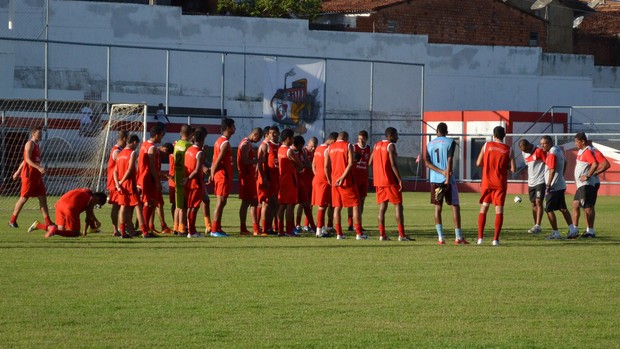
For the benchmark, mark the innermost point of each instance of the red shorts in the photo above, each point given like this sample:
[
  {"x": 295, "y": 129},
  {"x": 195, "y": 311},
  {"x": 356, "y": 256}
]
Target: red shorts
[
  {"x": 149, "y": 191},
  {"x": 193, "y": 197},
  {"x": 32, "y": 188},
  {"x": 321, "y": 194},
  {"x": 113, "y": 197},
  {"x": 221, "y": 187},
  {"x": 247, "y": 188},
  {"x": 362, "y": 188},
  {"x": 391, "y": 194},
  {"x": 287, "y": 194},
  {"x": 262, "y": 193},
  {"x": 345, "y": 196},
  {"x": 128, "y": 199},
  {"x": 496, "y": 197},
  {"x": 67, "y": 218},
  {"x": 171, "y": 195}
]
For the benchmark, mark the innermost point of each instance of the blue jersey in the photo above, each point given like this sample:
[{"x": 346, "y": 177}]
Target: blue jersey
[{"x": 437, "y": 152}]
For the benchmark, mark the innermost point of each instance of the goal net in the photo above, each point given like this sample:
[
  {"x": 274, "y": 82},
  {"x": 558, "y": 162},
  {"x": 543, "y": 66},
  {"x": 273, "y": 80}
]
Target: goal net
[{"x": 77, "y": 137}]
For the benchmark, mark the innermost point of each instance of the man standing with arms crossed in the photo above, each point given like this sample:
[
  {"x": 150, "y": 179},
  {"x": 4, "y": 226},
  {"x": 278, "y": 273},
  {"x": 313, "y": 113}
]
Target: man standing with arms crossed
[
  {"x": 148, "y": 175},
  {"x": 288, "y": 165},
  {"x": 222, "y": 173},
  {"x": 339, "y": 170},
  {"x": 321, "y": 189},
  {"x": 361, "y": 151},
  {"x": 439, "y": 158},
  {"x": 388, "y": 183},
  {"x": 555, "y": 187},
  {"x": 586, "y": 168},
  {"x": 246, "y": 164},
  {"x": 534, "y": 158},
  {"x": 496, "y": 160}
]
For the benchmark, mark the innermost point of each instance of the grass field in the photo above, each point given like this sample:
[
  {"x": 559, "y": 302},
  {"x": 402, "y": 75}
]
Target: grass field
[{"x": 99, "y": 291}]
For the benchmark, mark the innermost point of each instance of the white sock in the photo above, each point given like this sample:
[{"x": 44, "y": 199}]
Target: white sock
[
  {"x": 439, "y": 228},
  {"x": 457, "y": 232}
]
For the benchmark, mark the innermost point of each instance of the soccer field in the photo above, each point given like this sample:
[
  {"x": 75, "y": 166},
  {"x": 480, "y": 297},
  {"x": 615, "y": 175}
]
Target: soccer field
[{"x": 99, "y": 291}]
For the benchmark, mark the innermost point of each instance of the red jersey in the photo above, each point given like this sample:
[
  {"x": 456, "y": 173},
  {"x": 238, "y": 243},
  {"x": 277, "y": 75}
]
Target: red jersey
[
  {"x": 171, "y": 170},
  {"x": 75, "y": 200},
  {"x": 383, "y": 175},
  {"x": 339, "y": 158},
  {"x": 191, "y": 161},
  {"x": 306, "y": 174},
  {"x": 123, "y": 163},
  {"x": 360, "y": 170},
  {"x": 28, "y": 171},
  {"x": 143, "y": 163},
  {"x": 112, "y": 166},
  {"x": 495, "y": 165},
  {"x": 287, "y": 170},
  {"x": 319, "y": 164},
  {"x": 225, "y": 170},
  {"x": 249, "y": 169}
]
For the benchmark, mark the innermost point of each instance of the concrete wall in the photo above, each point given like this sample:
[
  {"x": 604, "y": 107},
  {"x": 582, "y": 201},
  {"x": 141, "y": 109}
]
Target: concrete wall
[{"x": 458, "y": 77}]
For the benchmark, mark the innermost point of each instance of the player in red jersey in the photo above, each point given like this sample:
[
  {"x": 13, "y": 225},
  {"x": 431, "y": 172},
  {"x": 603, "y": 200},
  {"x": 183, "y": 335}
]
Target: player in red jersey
[
  {"x": 121, "y": 141},
  {"x": 288, "y": 166},
  {"x": 306, "y": 177},
  {"x": 321, "y": 189},
  {"x": 68, "y": 209},
  {"x": 222, "y": 173},
  {"x": 147, "y": 181},
  {"x": 304, "y": 187},
  {"x": 339, "y": 164},
  {"x": 246, "y": 164},
  {"x": 268, "y": 180},
  {"x": 388, "y": 183},
  {"x": 125, "y": 181},
  {"x": 163, "y": 150},
  {"x": 496, "y": 159},
  {"x": 194, "y": 185},
  {"x": 31, "y": 173},
  {"x": 361, "y": 151}
]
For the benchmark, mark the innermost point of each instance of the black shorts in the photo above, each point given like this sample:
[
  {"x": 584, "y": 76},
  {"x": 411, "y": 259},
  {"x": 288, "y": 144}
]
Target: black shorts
[
  {"x": 537, "y": 192},
  {"x": 555, "y": 200},
  {"x": 586, "y": 195},
  {"x": 450, "y": 194}
]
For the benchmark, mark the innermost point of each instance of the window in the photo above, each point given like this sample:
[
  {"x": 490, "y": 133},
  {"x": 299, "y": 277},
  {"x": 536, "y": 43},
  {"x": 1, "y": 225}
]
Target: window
[
  {"x": 533, "y": 38},
  {"x": 391, "y": 26}
]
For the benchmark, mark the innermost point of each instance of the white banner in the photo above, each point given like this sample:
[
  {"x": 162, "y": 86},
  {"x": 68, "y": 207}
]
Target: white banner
[{"x": 293, "y": 97}]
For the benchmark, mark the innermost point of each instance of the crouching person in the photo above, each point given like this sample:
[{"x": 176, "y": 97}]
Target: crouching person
[{"x": 68, "y": 210}]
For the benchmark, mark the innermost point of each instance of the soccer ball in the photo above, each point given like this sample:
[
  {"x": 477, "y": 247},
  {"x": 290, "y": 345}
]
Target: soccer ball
[{"x": 518, "y": 199}]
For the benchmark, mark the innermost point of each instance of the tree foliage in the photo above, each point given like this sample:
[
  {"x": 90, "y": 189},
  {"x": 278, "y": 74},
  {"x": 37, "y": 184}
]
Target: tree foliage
[{"x": 271, "y": 8}]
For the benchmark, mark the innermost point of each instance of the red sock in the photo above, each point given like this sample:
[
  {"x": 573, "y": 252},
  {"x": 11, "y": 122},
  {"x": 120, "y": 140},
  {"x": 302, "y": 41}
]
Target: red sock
[
  {"x": 276, "y": 223},
  {"x": 482, "y": 219},
  {"x": 358, "y": 229},
  {"x": 350, "y": 221},
  {"x": 401, "y": 230},
  {"x": 122, "y": 228},
  {"x": 214, "y": 226},
  {"x": 382, "y": 229},
  {"x": 48, "y": 221},
  {"x": 309, "y": 218},
  {"x": 143, "y": 229},
  {"x": 255, "y": 228},
  {"x": 289, "y": 226},
  {"x": 191, "y": 220},
  {"x": 339, "y": 229},
  {"x": 67, "y": 233},
  {"x": 13, "y": 218},
  {"x": 499, "y": 220},
  {"x": 264, "y": 223},
  {"x": 320, "y": 218},
  {"x": 42, "y": 226}
]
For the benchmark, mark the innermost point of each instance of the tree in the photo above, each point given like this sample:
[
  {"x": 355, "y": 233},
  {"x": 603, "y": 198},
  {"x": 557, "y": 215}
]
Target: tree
[{"x": 271, "y": 8}]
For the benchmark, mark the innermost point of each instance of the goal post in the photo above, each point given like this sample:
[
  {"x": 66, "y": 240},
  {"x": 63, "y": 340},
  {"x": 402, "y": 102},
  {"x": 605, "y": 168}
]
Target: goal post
[{"x": 77, "y": 137}]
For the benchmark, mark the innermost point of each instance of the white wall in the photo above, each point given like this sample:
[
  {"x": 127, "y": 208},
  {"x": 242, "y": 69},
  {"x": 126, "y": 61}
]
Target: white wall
[{"x": 457, "y": 76}]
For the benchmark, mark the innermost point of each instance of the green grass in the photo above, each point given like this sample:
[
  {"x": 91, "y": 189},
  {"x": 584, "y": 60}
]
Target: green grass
[{"x": 99, "y": 291}]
